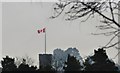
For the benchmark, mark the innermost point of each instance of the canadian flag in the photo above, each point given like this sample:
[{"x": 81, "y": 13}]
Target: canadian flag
[{"x": 41, "y": 31}]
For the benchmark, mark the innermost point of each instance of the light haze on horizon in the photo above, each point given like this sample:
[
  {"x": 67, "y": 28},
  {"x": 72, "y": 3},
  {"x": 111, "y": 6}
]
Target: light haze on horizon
[{"x": 20, "y": 22}]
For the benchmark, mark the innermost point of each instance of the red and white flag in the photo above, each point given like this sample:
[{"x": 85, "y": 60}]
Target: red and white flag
[{"x": 41, "y": 31}]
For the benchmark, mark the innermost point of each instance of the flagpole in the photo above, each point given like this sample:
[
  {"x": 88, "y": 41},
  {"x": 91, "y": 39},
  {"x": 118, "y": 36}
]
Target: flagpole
[{"x": 45, "y": 41}]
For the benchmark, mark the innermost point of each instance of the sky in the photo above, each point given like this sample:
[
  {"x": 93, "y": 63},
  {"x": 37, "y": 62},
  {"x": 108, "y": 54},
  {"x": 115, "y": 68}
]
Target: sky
[
  {"x": 21, "y": 20},
  {"x": 0, "y": 31}
]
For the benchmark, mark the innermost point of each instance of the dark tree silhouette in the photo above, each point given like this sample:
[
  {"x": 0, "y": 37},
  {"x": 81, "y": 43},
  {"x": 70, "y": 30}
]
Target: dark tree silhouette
[
  {"x": 101, "y": 62},
  {"x": 25, "y": 67},
  {"x": 0, "y": 69},
  {"x": 75, "y": 9},
  {"x": 72, "y": 64},
  {"x": 47, "y": 68},
  {"x": 28, "y": 59},
  {"x": 8, "y": 64},
  {"x": 88, "y": 64}
]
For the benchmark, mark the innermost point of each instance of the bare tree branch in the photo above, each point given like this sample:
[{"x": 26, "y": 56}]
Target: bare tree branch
[
  {"x": 112, "y": 39},
  {"x": 80, "y": 9},
  {"x": 111, "y": 10},
  {"x": 101, "y": 14},
  {"x": 111, "y": 45},
  {"x": 116, "y": 55}
]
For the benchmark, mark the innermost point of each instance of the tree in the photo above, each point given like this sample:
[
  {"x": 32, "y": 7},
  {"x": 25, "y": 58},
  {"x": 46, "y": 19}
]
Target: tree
[
  {"x": 88, "y": 64},
  {"x": 100, "y": 62},
  {"x": 25, "y": 67},
  {"x": 72, "y": 64},
  {"x": 28, "y": 60},
  {"x": 8, "y": 64},
  {"x": 60, "y": 56},
  {"x": 47, "y": 68},
  {"x": 75, "y": 9}
]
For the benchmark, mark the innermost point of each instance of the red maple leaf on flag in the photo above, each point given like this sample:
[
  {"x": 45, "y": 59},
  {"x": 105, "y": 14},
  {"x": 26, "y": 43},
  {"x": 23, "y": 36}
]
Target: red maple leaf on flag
[{"x": 41, "y": 30}]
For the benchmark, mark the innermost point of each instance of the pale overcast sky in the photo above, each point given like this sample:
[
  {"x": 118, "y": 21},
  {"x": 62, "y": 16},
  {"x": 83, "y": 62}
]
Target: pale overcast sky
[
  {"x": 0, "y": 31},
  {"x": 20, "y": 22}
]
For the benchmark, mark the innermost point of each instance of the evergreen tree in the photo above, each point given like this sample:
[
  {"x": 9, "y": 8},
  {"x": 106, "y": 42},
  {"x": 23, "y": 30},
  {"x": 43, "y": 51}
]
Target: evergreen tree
[
  {"x": 8, "y": 64},
  {"x": 100, "y": 62},
  {"x": 72, "y": 64},
  {"x": 25, "y": 67}
]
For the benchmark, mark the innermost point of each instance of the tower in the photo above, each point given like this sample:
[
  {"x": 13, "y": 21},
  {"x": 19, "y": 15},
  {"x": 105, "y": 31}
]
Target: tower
[{"x": 45, "y": 60}]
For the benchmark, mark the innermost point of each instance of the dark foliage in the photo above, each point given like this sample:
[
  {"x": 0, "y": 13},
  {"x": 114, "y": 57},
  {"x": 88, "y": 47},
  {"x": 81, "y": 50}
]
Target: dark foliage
[
  {"x": 8, "y": 64},
  {"x": 48, "y": 68},
  {"x": 101, "y": 62},
  {"x": 25, "y": 67},
  {"x": 72, "y": 64}
]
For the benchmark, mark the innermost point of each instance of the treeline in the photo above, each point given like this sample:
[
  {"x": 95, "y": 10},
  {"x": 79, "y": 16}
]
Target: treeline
[{"x": 99, "y": 61}]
